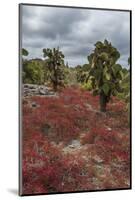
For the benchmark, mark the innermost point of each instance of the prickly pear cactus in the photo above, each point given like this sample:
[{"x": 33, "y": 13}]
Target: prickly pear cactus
[
  {"x": 104, "y": 72},
  {"x": 55, "y": 61}
]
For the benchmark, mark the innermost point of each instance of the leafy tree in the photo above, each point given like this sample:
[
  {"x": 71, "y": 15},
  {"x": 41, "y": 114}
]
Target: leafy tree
[
  {"x": 104, "y": 72},
  {"x": 55, "y": 61},
  {"x": 33, "y": 72}
]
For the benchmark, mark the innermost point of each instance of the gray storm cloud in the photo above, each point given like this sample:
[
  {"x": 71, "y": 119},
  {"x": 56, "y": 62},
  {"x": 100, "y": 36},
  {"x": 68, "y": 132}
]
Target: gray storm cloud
[{"x": 75, "y": 31}]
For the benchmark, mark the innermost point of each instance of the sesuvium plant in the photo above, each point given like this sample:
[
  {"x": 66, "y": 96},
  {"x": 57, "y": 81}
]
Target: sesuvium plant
[
  {"x": 104, "y": 72},
  {"x": 55, "y": 61}
]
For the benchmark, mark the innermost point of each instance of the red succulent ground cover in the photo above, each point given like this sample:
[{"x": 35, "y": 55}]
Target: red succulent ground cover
[{"x": 51, "y": 163}]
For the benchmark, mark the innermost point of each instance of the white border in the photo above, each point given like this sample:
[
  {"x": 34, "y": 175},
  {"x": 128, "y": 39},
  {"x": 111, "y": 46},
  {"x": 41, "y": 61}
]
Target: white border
[{"x": 9, "y": 98}]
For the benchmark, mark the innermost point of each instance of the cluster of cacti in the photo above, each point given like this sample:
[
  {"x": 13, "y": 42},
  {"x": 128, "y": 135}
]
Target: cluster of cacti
[{"x": 104, "y": 73}]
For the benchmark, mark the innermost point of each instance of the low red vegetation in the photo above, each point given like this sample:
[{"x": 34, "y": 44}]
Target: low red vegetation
[{"x": 102, "y": 161}]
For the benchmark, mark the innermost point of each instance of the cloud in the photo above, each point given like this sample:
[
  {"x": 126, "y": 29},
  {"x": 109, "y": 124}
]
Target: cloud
[{"x": 75, "y": 31}]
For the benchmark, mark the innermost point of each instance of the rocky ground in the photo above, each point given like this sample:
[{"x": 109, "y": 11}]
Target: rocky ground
[{"x": 36, "y": 90}]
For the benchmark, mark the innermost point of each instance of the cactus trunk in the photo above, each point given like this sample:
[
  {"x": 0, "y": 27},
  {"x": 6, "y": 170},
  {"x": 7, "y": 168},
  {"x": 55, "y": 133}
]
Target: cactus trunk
[
  {"x": 103, "y": 102},
  {"x": 55, "y": 86},
  {"x": 55, "y": 83}
]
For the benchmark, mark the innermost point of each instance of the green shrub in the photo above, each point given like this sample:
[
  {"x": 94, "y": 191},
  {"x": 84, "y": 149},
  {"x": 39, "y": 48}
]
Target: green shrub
[
  {"x": 33, "y": 72},
  {"x": 87, "y": 86}
]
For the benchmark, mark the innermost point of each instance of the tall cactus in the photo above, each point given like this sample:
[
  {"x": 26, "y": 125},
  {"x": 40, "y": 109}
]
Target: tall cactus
[
  {"x": 55, "y": 61},
  {"x": 104, "y": 73}
]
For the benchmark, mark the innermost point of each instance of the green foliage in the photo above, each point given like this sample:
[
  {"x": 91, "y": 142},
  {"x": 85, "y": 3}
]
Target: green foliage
[
  {"x": 125, "y": 85},
  {"x": 24, "y": 52},
  {"x": 87, "y": 86},
  {"x": 68, "y": 75},
  {"x": 71, "y": 77},
  {"x": 33, "y": 72},
  {"x": 104, "y": 72},
  {"x": 82, "y": 73},
  {"x": 55, "y": 63},
  {"x": 106, "y": 88}
]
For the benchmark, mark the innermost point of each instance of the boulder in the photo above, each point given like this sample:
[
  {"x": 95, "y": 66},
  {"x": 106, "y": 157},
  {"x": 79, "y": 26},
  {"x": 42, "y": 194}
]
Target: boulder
[
  {"x": 43, "y": 91},
  {"x": 32, "y": 90}
]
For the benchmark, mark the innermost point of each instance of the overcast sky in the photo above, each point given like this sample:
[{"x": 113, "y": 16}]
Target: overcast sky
[{"x": 75, "y": 31}]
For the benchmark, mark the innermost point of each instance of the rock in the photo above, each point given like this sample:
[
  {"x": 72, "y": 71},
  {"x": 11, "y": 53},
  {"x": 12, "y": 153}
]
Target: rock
[
  {"x": 30, "y": 86},
  {"x": 51, "y": 93},
  {"x": 42, "y": 92},
  {"x": 89, "y": 107},
  {"x": 73, "y": 146},
  {"x": 33, "y": 104},
  {"x": 109, "y": 129},
  {"x": 32, "y": 90},
  {"x": 97, "y": 159},
  {"x": 26, "y": 85},
  {"x": 75, "y": 143}
]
